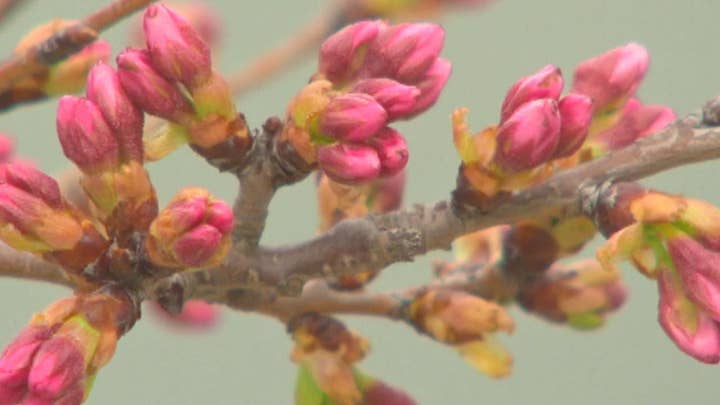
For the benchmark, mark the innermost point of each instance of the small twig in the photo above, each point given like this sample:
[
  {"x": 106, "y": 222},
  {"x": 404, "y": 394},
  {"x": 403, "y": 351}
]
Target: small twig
[
  {"x": 27, "y": 266},
  {"x": 65, "y": 42}
]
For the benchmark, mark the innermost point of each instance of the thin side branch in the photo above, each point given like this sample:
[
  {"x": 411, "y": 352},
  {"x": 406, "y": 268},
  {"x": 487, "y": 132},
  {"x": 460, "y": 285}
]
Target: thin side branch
[
  {"x": 27, "y": 266},
  {"x": 7, "y": 7},
  {"x": 66, "y": 42}
]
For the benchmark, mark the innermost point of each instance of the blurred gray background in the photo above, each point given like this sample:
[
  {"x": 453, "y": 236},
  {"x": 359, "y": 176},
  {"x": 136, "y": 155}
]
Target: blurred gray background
[{"x": 245, "y": 361}]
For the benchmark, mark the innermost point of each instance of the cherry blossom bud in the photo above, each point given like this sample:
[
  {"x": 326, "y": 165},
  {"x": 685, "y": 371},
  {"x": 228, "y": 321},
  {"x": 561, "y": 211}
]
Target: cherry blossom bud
[
  {"x": 576, "y": 114},
  {"x": 148, "y": 89},
  {"x": 193, "y": 231},
  {"x": 396, "y": 98},
  {"x": 611, "y": 78},
  {"x": 349, "y": 163},
  {"x": 352, "y": 117},
  {"x": 121, "y": 115},
  {"x": 431, "y": 85},
  {"x": 16, "y": 362},
  {"x": 59, "y": 364},
  {"x": 342, "y": 53},
  {"x": 195, "y": 314},
  {"x": 85, "y": 136},
  {"x": 692, "y": 330},
  {"x": 176, "y": 48},
  {"x": 636, "y": 121},
  {"x": 545, "y": 83},
  {"x": 457, "y": 317},
  {"x": 405, "y": 52},
  {"x": 529, "y": 137},
  {"x": 33, "y": 182},
  {"x": 698, "y": 270},
  {"x": 392, "y": 151}
]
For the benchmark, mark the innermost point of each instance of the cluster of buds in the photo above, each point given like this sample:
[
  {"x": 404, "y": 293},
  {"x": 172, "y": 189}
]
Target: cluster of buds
[
  {"x": 611, "y": 80},
  {"x": 326, "y": 351},
  {"x": 65, "y": 76},
  {"x": 674, "y": 240},
  {"x": 174, "y": 80},
  {"x": 540, "y": 130},
  {"x": 54, "y": 360},
  {"x": 465, "y": 322},
  {"x": 35, "y": 218},
  {"x": 370, "y": 74},
  {"x": 580, "y": 294},
  {"x": 102, "y": 134},
  {"x": 192, "y": 231}
]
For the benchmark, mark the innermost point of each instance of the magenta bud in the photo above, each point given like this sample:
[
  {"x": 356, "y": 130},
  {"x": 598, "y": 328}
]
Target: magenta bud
[
  {"x": 148, "y": 89},
  {"x": 34, "y": 182},
  {"x": 59, "y": 365},
  {"x": 341, "y": 54},
  {"x": 17, "y": 359},
  {"x": 352, "y": 117},
  {"x": 396, "y": 98},
  {"x": 613, "y": 76},
  {"x": 545, "y": 83},
  {"x": 85, "y": 136},
  {"x": 220, "y": 215},
  {"x": 698, "y": 269},
  {"x": 576, "y": 115},
  {"x": 636, "y": 121},
  {"x": 195, "y": 314},
  {"x": 73, "y": 396},
  {"x": 693, "y": 331},
  {"x": 529, "y": 137},
  {"x": 405, "y": 52},
  {"x": 123, "y": 117},
  {"x": 392, "y": 150},
  {"x": 349, "y": 163},
  {"x": 197, "y": 246},
  {"x": 176, "y": 48},
  {"x": 431, "y": 85}
]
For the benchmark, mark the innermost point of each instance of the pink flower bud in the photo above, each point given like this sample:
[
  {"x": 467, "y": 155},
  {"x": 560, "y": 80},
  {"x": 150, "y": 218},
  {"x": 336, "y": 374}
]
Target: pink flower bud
[
  {"x": 124, "y": 118},
  {"x": 545, "y": 83},
  {"x": 193, "y": 231},
  {"x": 148, "y": 89},
  {"x": 699, "y": 269},
  {"x": 612, "y": 77},
  {"x": 59, "y": 364},
  {"x": 195, "y": 314},
  {"x": 177, "y": 50},
  {"x": 392, "y": 150},
  {"x": 73, "y": 396},
  {"x": 431, "y": 85},
  {"x": 387, "y": 194},
  {"x": 529, "y": 137},
  {"x": 396, "y": 98},
  {"x": 636, "y": 121},
  {"x": 349, "y": 163},
  {"x": 352, "y": 117},
  {"x": 85, "y": 136},
  {"x": 16, "y": 362},
  {"x": 341, "y": 53},
  {"x": 576, "y": 114},
  {"x": 692, "y": 330},
  {"x": 33, "y": 182},
  {"x": 405, "y": 52}
]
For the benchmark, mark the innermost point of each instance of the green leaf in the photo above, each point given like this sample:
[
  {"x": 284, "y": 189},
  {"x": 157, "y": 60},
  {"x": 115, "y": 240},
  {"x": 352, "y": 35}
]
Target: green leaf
[{"x": 307, "y": 391}]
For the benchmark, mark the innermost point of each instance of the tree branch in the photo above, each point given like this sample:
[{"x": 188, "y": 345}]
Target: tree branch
[
  {"x": 27, "y": 266},
  {"x": 377, "y": 241},
  {"x": 65, "y": 42},
  {"x": 7, "y": 7}
]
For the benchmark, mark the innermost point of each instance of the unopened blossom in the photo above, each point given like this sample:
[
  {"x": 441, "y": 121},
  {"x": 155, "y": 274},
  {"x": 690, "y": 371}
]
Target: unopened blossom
[
  {"x": 343, "y": 52},
  {"x": 176, "y": 48},
  {"x": 529, "y": 136},
  {"x": 192, "y": 231},
  {"x": 349, "y": 163},
  {"x": 396, "y": 98},
  {"x": 195, "y": 315},
  {"x": 352, "y": 117},
  {"x": 545, "y": 83},
  {"x": 467, "y": 323},
  {"x": 636, "y": 120},
  {"x": 611, "y": 78},
  {"x": 576, "y": 116},
  {"x": 392, "y": 150}
]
